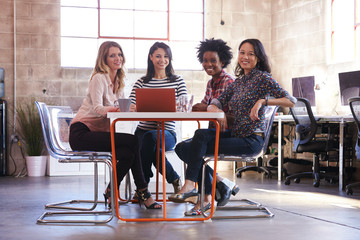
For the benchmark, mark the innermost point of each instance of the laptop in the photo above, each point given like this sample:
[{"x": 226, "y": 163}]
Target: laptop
[{"x": 155, "y": 100}]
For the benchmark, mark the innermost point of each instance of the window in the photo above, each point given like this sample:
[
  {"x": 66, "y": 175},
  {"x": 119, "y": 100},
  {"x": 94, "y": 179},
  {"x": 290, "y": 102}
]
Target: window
[
  {"x": 345, "y": 36},
  {"x": 135, "y": 25}
]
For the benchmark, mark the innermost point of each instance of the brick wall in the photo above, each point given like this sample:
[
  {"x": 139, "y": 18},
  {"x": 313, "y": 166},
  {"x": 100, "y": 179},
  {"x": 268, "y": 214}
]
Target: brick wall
[{"x": 294, "y": 34}]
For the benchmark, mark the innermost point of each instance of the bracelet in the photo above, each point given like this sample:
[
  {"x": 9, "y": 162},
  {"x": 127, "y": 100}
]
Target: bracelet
[{"x": 266, "y": 100}]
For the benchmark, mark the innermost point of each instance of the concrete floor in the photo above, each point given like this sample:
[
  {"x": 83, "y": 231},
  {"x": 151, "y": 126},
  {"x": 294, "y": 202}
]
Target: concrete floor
[{"x": 301, "y": 212}]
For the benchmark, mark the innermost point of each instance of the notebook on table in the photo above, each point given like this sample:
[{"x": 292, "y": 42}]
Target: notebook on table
[{"x": 155, "y": 100}]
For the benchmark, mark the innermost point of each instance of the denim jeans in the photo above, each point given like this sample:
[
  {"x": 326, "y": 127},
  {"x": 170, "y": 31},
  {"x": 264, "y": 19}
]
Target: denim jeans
[
  {"x": 192, "y": 151},
  {"x": 148, "y": 141}
]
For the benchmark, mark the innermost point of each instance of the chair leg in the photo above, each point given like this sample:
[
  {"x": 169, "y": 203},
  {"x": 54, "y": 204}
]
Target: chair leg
[
  {"x": 349, "y": 188},
  {"x": 250, "y": 205},
  {"x": 58, "y": 205},
  {"x": 42, "y": 220}
]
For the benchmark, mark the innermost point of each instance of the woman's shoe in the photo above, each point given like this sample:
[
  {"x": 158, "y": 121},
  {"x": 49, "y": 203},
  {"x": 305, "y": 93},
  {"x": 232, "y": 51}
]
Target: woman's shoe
[
  {"x": 195, "y": 212},
  {"x": 145, "y": 195},
  {"x": 191, "y": 197},
  {"x": 235, "y": 190},
  {"x": 107, "y": 198},
  {"x": 223, "y": 195},
  {"x": 224, "y": 189},
  {"x": 177, "y": 185}
]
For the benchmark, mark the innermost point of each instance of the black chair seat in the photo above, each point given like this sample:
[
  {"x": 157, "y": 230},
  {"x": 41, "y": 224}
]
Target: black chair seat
[{"x": 312, "y": 147}]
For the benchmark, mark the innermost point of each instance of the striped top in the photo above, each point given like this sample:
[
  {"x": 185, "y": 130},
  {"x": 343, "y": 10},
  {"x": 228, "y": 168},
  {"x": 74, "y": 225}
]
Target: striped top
[{"x": 180, "y": 89}]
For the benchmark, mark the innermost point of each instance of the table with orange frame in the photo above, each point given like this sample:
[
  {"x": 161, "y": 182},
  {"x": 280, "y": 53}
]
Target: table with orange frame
[{"x": 162, "y": 117}]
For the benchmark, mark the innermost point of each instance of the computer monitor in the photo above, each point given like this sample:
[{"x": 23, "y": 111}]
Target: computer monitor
[
  {"x": 304, "y": 87},
  {"x": 349, "y": 86}
]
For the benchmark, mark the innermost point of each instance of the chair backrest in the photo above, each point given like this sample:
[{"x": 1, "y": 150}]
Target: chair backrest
[
  {"x": 55, "y": 121},
  {"x": 306, "y": 124},
  {"x": 354, "y": 103},
  {"x": 269, "y": 112}
]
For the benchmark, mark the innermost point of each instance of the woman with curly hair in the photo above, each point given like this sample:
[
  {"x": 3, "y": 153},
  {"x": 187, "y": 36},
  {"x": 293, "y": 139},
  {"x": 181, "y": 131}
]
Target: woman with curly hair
[
  {"x": 215, "y": 55},
  {"x": 247, "y": 97}
]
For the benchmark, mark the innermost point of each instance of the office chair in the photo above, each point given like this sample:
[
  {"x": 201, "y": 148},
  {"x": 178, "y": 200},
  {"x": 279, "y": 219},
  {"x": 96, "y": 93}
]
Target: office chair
[
  {"x": 306, "y": 141},
  {"x": 354, "y": 103},
  {"x": 269, "y": 118},
  {"x": 56, "y": 141}
]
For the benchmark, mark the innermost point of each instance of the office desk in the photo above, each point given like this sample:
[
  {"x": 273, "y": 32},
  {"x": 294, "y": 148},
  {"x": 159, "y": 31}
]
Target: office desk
[
  {"x": 321, "y": 118},
  {"x": 161, "y": 117}
]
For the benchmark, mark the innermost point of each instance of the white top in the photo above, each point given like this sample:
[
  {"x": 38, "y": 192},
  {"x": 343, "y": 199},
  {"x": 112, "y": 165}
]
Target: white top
[{"x": 98, "y": 101}]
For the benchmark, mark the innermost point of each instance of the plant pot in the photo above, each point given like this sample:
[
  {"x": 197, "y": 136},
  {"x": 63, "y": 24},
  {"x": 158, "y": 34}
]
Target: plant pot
[{"x": 36, "y": 165}]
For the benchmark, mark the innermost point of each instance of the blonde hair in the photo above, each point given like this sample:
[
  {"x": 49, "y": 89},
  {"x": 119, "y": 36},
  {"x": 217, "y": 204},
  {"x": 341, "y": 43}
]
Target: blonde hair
[{"x": 102, "y": 67}]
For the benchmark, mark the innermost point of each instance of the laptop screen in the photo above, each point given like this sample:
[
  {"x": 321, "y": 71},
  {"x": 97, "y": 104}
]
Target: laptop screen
[{"x": 155, "y": 100}]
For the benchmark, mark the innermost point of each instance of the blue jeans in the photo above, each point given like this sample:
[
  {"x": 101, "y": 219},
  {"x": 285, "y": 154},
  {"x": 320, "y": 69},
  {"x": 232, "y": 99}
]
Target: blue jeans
[
  {"x": 192, "y": 151},
  {"x": 148, "y": 141}
]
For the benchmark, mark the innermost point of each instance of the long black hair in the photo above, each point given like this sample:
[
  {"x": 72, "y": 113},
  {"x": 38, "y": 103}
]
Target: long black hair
[
  {"x": 150, "y": 72},
  {"x": 263, "y": 61},
  {"x": 218, "y": 46}
]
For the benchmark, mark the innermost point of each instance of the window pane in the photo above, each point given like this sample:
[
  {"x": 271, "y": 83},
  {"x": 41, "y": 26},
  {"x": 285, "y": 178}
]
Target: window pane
[
  {"x": 141, "y": 52},
  {"x": 116, "y": 23},
  {"x": 119, "y": 4},
  {"x": 358, "y": 11},
  {"x": 78, "y": 52},
  {"x": 184, "y": 56},
  {"x": 80, "y": 3},
  {"x": 158, "y": 5},
  {"x": 186, "y": 26},
  {"x": 183, "y": 5},
  {"x": 150, "y": 24},
  {"x": 73, "y": 25},
  {"x": 343, "y": 19}
]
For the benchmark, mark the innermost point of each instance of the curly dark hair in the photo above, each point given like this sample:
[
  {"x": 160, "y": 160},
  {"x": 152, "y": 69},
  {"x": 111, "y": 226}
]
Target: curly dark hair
[
  {"x": 215, "y": 45},
  {"x": 263, "y": 61}
]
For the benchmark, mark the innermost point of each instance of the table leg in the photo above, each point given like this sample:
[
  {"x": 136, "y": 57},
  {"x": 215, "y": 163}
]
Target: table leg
[
  {"x": 341, "y": 155},
  {"x": 280, "y": 160}
]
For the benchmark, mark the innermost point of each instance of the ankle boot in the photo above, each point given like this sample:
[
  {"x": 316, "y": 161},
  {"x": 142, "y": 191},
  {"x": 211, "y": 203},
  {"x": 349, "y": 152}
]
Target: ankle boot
[{"x": 223, "y": 194}]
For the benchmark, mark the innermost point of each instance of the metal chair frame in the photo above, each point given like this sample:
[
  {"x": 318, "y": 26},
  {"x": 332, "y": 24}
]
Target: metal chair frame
[
  {"x": 56, "y": 149},
  {"x": 250, "y": 205}
]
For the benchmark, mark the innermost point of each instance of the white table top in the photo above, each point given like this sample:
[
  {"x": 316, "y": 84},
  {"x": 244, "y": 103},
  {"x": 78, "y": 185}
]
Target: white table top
[
  {"x": 336, "y": 118},
  {"x": 166, "y": 115}
]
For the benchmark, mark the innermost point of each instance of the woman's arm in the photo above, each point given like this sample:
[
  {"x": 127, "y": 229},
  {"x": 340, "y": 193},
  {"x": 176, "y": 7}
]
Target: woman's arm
[
  {"x": 283, "y": 102},
  {"x": 222, "y": 121}
]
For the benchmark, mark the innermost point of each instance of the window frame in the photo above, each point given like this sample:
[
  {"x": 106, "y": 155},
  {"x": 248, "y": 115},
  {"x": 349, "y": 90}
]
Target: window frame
[{"x": 168, "y": 39}]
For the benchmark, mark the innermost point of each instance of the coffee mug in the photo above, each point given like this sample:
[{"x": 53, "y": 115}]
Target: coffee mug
[{"x": 124, "y": 104}]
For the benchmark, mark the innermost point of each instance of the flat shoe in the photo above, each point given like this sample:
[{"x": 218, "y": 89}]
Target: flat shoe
[
  {"x": 191, "y": 197},
  {"x": 195, "y": 212}
]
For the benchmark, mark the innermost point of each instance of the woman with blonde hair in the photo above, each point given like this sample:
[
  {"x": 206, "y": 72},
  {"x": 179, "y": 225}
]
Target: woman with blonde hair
[{"x": 90, "y": 129}]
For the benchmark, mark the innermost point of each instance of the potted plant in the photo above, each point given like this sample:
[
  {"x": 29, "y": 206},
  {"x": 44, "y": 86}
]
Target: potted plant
[{"x": 30, "y": 132}]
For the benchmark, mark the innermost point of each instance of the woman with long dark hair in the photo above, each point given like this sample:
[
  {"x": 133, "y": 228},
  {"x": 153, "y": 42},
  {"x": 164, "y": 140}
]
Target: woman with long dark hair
[
  {"x": 159, "y": 74},
  {"x": 247, "y": 97}
]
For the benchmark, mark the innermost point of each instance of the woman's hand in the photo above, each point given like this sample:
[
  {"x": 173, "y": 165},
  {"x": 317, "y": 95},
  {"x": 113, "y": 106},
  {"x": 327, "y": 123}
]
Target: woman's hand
[
  {"x": 255, "y": 109},
  {"x": 132, "y": 108},
  {"x": 114, "y": 109},
  {"x": 222, "y": 121},
  {"x": 199, "y": 107}
]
